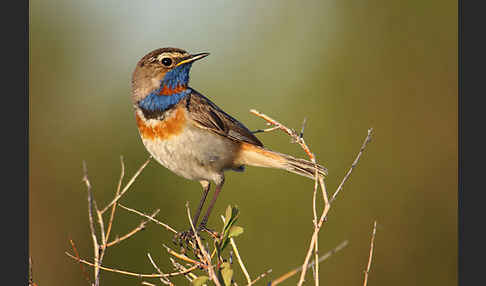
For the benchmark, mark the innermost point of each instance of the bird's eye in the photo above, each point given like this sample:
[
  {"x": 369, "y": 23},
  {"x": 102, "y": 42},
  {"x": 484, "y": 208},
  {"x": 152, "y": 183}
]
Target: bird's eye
[{"x": 166, "y": 61}]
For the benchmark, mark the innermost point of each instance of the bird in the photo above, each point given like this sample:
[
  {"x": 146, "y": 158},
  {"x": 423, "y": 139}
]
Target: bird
[{"x": 191, "y": 136}]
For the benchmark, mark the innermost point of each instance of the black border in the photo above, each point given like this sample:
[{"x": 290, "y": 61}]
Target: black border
[
  {"x": 15, "y": 142},
  {"x": 471, "y": 91}
]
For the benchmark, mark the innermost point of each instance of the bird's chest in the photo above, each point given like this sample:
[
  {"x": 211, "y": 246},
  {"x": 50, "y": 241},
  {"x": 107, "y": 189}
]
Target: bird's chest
[{"x": 183, "y": 148}]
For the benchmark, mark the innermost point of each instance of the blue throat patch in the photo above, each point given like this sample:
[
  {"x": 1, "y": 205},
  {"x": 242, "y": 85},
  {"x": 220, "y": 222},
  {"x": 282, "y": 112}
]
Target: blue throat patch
[{"x": 179, "y": 76}]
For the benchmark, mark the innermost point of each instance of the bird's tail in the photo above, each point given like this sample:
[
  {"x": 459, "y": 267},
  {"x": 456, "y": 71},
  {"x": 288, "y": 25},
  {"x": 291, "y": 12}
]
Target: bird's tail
[{"x": 253, "y": 155}]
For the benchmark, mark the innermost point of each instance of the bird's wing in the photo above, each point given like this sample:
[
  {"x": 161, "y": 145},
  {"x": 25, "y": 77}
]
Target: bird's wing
[{"x": 209, "y": 116}]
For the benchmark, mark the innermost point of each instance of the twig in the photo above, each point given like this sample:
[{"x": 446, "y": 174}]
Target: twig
[
  {"x": 183, "y": 257},
  {"x": 113, "y": 209},
  {"x": 314, "y": 212},
  {"x": 366, "y": 141},
  {"x": 131, "y": 273},
  {"x": 148, "y": 217},
  {"x": 287, "y": 130},
  {"x": 166, "y": 281},
  {"x": 140, "y": 227},
  {"x": 101, "y": 249},
  {"x": 83, "y": 269},
  {"x": 31, "y": 276},
  {"x": 260, "y": 277},
  {"x": 189, "y": 276},
  {"x": 298, "y": 269},
  {"x": 127, "y": 186},
  {"x": 299, "y": 138},
  {"x": 91, "y": 225},
  {"x": 238, "y": 257},
  {"x": 327, "y": 205},
  {"x": 317, "y": 228},
  {"x": 206, "y": 256},
  {"x": 265, "y": 130},
  {"x": 371, "y": 255},
  {"x": 301, "y": 135}
]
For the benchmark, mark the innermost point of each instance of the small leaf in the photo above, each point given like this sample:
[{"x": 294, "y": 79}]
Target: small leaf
[
  {"x": 227, "y": 217},
  {"x": 199, "y": 281},
  {"x": 235, "y": 231},
  {"x": 227, "y": 273}
]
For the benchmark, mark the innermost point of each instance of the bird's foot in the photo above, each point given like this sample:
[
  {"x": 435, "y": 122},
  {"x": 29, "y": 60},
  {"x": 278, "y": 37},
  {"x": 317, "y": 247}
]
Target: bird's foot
[
  {"x": 211, "y": 232},
  {"x": 184, "y": 238},
  {"x": 187, "y": 239}
]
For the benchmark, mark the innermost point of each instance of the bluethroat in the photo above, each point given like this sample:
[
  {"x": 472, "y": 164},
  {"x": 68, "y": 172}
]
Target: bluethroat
[{"x": 191, "y": 136}]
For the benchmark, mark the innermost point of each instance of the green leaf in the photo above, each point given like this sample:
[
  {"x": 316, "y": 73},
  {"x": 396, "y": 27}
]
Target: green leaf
[
  {"x": 235, "y": 231},
  {"x": 199, "y": 281},
  {"x": 227, "y": 217},
  {"x": 226, "y": 273},
  {"x": 231, "y": 217}
]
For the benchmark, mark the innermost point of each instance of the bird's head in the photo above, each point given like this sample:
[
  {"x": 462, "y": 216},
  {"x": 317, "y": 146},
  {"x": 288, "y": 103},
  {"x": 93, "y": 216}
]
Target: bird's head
[{"x": 162, "y": 73}]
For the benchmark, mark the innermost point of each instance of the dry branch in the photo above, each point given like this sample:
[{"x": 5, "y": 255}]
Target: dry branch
[
  {"x": 298, "y": 269},
  {"x": 203, "y": 260},
  {"x": 371, "y": 255},
  {"x": 327, "y": 203}
]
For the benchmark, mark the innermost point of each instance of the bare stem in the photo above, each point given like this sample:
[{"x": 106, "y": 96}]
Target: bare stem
[
  {"x": 127, "y": 186},
  {"x": 260, "y": 277},
  {"x": 371, "y": 255},
  {"x": 366, "y": 141},
  {"x": 139, "y": 275},
  {"x": 113, "y": 209},
  {"x": 91, "y": 224},
  {"x": 287, "y": 130},
  {"x": 166, "y": 281},
  {"x": 205, "y": 254},
  {"x": 148, "y": 217},
  {"x": 238, "y": 257},
  {"x": 140, "y": 227},
  {"x": 298, "y": 269}
]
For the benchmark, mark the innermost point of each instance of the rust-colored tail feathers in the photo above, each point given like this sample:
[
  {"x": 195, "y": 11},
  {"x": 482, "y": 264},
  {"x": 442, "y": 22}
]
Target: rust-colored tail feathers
[{"x": 253, "y": 155}]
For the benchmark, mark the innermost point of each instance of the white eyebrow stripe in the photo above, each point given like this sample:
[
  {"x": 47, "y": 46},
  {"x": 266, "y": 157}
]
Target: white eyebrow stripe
[{"x": 171, "y": 55}]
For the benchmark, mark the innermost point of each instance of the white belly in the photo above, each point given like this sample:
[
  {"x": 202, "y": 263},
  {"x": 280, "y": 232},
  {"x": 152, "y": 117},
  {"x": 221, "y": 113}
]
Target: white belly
[{"x": 195, "y": 154}]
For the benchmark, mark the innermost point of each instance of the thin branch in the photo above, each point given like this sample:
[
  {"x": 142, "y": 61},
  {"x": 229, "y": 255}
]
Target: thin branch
[
  {"x": 287, "y": 130},
  {"x": 314, "y": 212},
  {"x": 166, "y": 281},
  {"x": 83, "y": 269},
  {"x": 265, "y": 130},
  {"x": 298, "y": 269},
  {"x": 148, "y": 217},
  {"x": 366, "y": 141},
  {"x": 205, "y": 254},
  {"x": 101, "y": 250},
  {"x": 183, "y": 257},
  {"x": 371, "y": 255},
  {"x": 127, "y": 186},
  {"x": 140, "y": 227},
  {"x": 113, "y": 209},
  {"x": 31, "y": 276},
  {"x": 91, "y": 224},
  {"x": 131, "y": 273},
  {"x": 189, "y": 276},
  {"x": 327, "y": 207},
  {"x": 260, "y": 277},
  {"x": 238, "y": 257},
  {"x": 301, "y": 135}
]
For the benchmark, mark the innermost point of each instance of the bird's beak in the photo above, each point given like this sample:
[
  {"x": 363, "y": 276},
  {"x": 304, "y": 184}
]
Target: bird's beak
[{"x": 193, "y": 58}]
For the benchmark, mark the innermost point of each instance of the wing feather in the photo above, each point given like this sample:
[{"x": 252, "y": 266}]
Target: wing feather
[{"x": 207, "y": 115}]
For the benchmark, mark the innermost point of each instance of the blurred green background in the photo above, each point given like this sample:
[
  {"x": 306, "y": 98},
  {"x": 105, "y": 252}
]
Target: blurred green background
[{"x": 344, "y": 65}]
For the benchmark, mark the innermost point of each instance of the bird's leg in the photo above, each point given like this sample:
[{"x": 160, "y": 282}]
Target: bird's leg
[
  {"x": 187, "y": 235},
  {"x": 206, "y": 186},
  {"x": 202, "y": 225}
]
